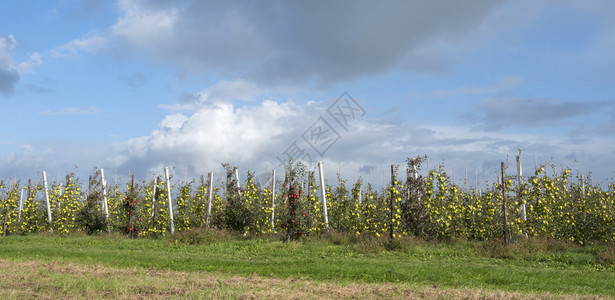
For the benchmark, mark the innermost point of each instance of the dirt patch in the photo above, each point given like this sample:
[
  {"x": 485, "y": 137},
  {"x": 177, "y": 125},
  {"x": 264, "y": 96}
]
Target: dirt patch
[{"x": 61, "y": 280}]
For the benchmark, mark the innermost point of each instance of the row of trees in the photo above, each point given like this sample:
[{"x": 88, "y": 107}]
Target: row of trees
[{"x": 431, "y": 206}]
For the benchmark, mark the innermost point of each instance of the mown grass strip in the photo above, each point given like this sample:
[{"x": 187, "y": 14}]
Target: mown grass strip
[{"x": 449, "y": 266}]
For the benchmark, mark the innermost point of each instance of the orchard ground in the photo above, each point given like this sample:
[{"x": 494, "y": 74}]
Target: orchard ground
[{"x": 218, "y": 264}]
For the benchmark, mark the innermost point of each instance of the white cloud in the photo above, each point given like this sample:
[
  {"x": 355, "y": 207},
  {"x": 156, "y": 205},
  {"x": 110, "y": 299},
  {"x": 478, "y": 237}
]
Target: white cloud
[
  {"x": 145, "y": 26},
  {"x": 72, "y": 111},
  {"x": 91, "y": 44},
  {"x": 226, "y": 91},
  {"x": 219, "y": 93},
  {"x": 290, "y": 43},
  {"x": 212, "y": 134},
  {"x": 29, "y": 158},
  {"x": 501, "y": 111},
  {"x": 503, "y": 85},
  {"x": 56, "y": 157},
  {"x": 10, "y": 71},
  {"x": 255, "y": 136},
  {"x": 7, "y": 50},
  {"x": 34, "y": 60}
]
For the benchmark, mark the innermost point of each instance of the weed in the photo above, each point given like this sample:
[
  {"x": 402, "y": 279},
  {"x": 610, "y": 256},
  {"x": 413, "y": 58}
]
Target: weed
[
  {"x": 201, "y": 236},
  {"x": 606, "y": 255},
  {"x": 521, "y": 248}
]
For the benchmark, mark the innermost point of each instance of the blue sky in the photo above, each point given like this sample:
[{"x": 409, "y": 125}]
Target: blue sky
[{"x": 134, "y": 86}]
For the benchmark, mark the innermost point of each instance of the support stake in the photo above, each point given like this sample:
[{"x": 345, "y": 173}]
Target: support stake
[
  {"x": 166, "y": 174},
  {"x": 47, "y": 200},
  {"x": 210, "y": 193},
  {"x": 324, "y": 197}
]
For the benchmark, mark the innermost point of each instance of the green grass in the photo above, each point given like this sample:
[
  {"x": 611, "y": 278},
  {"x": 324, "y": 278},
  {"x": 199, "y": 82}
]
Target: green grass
[{"x": 570, "y": 270}]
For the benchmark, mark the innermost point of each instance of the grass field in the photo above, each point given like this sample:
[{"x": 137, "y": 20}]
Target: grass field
[{"x": 232, "y": 267}]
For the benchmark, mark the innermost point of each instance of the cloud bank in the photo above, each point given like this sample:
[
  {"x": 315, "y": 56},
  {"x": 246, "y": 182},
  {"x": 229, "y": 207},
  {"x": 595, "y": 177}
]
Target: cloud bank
[
  {"x": 9, "y": 70},
  {"x": 285, "y": 43}
]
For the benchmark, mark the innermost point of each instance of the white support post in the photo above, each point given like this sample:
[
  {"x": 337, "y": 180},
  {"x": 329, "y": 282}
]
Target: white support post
[
  {"x": 47, "y": 199},
  {"x": 360, "y": 194},
  {"x": 466, "y": 180},
  {"x": 236, "y": 171},
  {"x": 475, "y": 179},
  {"x": 273, "y": 200},
  {"x": 520, "y": 177},
  {"x": 324, "y": 197},
  {"x": 104, "y": 192},
  {"x": 210, "y": 193},
  {"x": 20, "y": 206},
  {"x": 166, "y": 174}
]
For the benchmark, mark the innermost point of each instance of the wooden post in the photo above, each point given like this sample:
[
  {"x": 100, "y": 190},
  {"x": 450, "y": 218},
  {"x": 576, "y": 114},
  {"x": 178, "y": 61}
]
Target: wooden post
[
  {"x": 273, "y": 199},
  {"x": 155, "y": 201},
  {"x": 361, "y": 192},
  {"x": 324, "y": 194},
  {"x": 29, "y": 188},
  {"x": 154, "y": 195},
  {"x": 229, "y": 176},
  {"x": 582, "y": 185},
  {"x": 168, "y": 181},
  {"x": 47, "y": 200},
  {"x": 408, "y": 177},
  {"x": 554, "y": 170},
  {"x": 67, "y": 184},
  {"x": 29, "y": 194},
  {"x": 466, "y": 181},
  {"x": 504, "y": 206},
  {"x": 392, "y": 202},
  {"x": 291, "y": 223},
  {"x": 408, "y": 174},
  {"x": 6, "y": 214},
  {"x": 210, "y": 193},
  {"x": 415, "y": 176}
]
